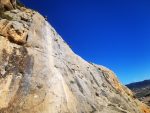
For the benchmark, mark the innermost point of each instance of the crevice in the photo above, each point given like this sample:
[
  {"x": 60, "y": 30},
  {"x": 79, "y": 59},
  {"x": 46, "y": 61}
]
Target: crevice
[
  {"x": 79, "y": 85},
  {"x": 94, "y": 79},
  {"x": 12, "y": 40}
]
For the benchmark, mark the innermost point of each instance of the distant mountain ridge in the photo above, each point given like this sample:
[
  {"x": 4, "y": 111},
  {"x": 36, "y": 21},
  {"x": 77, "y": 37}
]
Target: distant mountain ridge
[
  {"x": 141, "y": 90},
  {"x": 139, "y": 84}
]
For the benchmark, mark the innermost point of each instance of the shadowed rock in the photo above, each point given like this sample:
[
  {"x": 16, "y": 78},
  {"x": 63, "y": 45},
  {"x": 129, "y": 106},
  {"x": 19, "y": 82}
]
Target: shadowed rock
[{"x": 8, "y": 4}]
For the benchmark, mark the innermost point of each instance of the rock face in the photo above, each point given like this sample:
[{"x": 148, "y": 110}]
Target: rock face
[
  {"x": 141, "y": 90},
  {"x": 39, "y": 73},
  {"x": 7, "y": 4}
]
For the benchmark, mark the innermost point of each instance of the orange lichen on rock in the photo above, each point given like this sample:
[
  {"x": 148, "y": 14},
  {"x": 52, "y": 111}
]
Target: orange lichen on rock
[
  {"x": 144, "y": 108},
  {"x": 110, "y": 76}
]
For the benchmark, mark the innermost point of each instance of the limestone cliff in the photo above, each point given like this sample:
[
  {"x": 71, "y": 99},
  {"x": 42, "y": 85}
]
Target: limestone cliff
[{"x": 39, "y": 73}]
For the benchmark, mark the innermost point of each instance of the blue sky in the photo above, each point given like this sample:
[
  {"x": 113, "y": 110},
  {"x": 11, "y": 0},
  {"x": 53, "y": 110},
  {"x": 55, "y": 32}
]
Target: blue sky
[{"x": 113, "y": 33}]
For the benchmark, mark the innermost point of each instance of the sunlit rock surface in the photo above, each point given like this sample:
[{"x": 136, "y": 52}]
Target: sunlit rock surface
[{"x": 39, "y": 73}]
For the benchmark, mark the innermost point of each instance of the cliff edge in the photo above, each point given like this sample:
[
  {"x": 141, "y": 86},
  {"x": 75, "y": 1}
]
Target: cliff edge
[{"x": 39, "y": 73}]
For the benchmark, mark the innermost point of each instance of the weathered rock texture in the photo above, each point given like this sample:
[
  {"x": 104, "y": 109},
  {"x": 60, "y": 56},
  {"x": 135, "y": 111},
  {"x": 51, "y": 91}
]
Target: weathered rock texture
[
  {"x": 7, "y": 4},
  {"x": 39, "y": 73}
]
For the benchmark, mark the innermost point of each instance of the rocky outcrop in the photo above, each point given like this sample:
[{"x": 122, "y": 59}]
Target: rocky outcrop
[{"x": 39, "y": 73}]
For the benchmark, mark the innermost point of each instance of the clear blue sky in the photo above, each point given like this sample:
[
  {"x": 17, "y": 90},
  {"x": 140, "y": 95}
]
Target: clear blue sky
[{"x": 113, "y": 33}]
